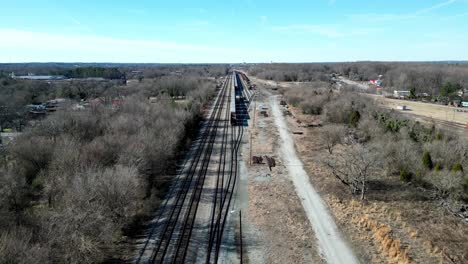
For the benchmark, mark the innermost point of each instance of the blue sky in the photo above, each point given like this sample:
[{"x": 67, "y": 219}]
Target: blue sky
[{"x": 232, "y": 31}]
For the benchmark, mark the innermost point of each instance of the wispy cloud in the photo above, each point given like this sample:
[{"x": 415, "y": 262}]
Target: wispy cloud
[
  {"x": 330, "y": 31},
  {"x": 434, "y": 7},
  {"x": 75, "y": 21},
  {"x": 76, "y": 25},
  {"x": 382, "y": 17},
  {"x": 263, "y": 20}
]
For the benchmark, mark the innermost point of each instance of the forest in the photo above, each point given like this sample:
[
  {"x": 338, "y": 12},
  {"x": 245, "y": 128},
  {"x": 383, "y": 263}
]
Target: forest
[{"x": 74, "y": 184}]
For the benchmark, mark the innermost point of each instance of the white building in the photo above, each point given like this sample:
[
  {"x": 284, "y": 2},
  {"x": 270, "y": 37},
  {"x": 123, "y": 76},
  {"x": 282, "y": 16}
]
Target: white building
[{"x": 401, "y": 94}]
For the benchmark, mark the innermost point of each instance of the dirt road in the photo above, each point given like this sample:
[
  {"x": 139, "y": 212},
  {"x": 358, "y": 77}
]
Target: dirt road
[{"x": 331, "y": 245}]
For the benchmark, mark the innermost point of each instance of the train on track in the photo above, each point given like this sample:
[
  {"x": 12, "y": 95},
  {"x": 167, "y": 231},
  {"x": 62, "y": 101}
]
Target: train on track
[
  {"x": 233, "y": 102},
  {"x": 240, "y": 98}
]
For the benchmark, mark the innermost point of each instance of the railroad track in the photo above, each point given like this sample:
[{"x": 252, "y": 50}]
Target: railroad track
[
  {"x": 171, "y": 233},
  {"x": 225, "y": 193}
]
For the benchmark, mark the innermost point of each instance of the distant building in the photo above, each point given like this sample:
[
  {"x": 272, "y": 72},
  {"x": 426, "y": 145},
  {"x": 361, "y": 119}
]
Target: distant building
[
  {"x": 39, "y": 77},
  {"x": 377, "y": 83},
  {"x": 401, "y": 94},
  {"x": 423, "y": 95}
]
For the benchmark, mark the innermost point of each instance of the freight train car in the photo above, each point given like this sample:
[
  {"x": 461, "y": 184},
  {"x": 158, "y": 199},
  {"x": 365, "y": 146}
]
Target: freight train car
[
  {"x": 233, "y": 101},
  {"x": 235, "y": 79},
  {"x": 243, "y": 83}
]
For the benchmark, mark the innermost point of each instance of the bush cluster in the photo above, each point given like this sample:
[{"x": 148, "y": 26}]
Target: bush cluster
[{"x": 407, "y": 149}]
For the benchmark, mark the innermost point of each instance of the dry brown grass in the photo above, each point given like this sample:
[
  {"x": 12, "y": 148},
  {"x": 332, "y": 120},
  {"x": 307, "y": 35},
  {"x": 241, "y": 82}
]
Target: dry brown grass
[
  {"x": 382, "y": 233},
  {"x": 434, "y": 111}
]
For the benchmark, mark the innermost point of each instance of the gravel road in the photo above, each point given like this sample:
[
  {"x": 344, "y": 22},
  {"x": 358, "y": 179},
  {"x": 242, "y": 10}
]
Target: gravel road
[{"x": 331, "y": 245}]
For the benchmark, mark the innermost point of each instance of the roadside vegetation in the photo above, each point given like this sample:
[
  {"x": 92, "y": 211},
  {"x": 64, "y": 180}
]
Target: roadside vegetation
[
  {"x": 377, "y": 140},
  {"x": 76, "y": 183},
  {"x": 376, "y": 155}
]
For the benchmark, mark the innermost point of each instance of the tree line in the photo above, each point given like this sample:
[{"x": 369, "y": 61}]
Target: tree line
[
  {"x": 436, "y": 79},
  {"x": 90, "y": 72}
]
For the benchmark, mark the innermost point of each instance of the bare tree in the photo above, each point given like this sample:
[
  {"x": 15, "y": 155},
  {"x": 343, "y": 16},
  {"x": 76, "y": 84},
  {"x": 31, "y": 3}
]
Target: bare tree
[
  {"x": 332, "y": 135},
  {"x": 13, "y": 191},
  {"x": 17, "y": 245},
  {"x": 354, "y": 167},
  {"x": 446, "y": 184}
]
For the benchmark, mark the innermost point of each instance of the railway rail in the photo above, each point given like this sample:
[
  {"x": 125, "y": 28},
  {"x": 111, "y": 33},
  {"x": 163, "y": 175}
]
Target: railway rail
[{"x": 170, "y": 238}]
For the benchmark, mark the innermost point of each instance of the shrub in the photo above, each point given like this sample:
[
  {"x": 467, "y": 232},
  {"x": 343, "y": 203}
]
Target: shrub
[
  {"x": 332, "y": 135},
  {"x": 390, "y": 122},
  {"x": 446, "y": 184},
  {"x": 419, "y": 175},
  {"x": 354, "y": 118},
  {"x": 314, "y": 105},
  {"x": 338, "y": 111},
  {"x": 405, "y": 175},
  {"x": 33, "y": 154},
  {"x": 427, "y": 160},
  {"x": 17, "y": 246},
  {"x": 465, "y": 188},
  {"x": 38, "y": 183},
  {"x": 457, "y": 167},
  {"x": 421, "y": 133}
]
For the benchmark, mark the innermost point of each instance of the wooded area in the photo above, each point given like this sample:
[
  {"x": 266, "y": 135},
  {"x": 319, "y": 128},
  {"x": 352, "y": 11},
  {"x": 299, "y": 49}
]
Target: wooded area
[{"x": 75, "y": 183}]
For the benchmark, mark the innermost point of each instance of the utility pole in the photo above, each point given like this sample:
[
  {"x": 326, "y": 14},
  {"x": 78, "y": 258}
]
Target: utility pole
[
  {"x": 240, "y": 237},
  {"x": 250, "y": 158},
  {"x": 255, "y": 112}
]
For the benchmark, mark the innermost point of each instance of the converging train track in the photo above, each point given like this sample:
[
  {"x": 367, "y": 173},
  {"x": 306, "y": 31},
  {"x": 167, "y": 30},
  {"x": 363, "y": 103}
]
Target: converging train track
[{"x": 190, "y": 224}]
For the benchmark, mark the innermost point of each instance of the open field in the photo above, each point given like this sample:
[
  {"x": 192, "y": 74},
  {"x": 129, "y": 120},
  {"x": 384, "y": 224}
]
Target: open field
[{"x": 441, "y": 114}]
